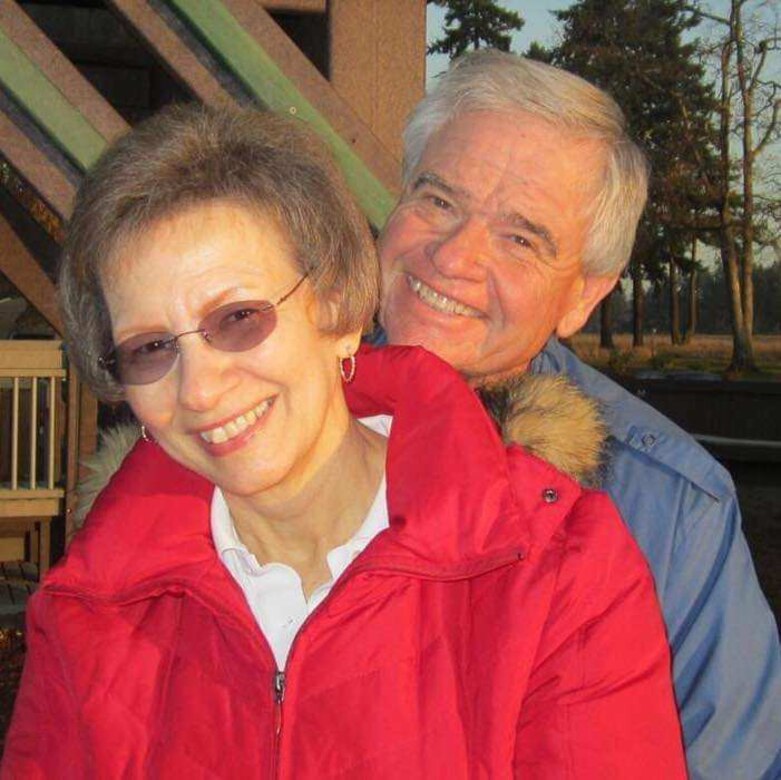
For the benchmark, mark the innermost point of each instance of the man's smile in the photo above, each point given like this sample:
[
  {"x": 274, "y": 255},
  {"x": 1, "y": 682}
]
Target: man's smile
[{"x": 438, "y": 301}]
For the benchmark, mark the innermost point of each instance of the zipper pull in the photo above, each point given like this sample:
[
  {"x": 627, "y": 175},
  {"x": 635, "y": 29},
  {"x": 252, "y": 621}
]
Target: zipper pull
[{"x": 279, "y": 687}]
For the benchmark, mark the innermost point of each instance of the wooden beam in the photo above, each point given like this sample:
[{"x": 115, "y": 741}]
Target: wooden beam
[
  {"x": 59, "y": 71},
  {"x": 280, "y": 77},
  {"x": 275, "y": 74},
  {"x": 33, "y": 507},
  {"x": 173, "y": 51},
  {"x": 26, "y": 275},
  {"x": 88, "y": 422},
  {"x": 296, "y": 6},
  {"x": 36, "y": 168},
  {"x": 73, "y": 408},
  {"x": 378, "y": 61},
  {"x": 43, "y": 101}
]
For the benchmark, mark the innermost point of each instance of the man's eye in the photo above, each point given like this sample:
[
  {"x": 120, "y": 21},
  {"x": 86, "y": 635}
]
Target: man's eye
[
  {"x": 439, "y": 203},
  {"x": 521, "y": 241}
]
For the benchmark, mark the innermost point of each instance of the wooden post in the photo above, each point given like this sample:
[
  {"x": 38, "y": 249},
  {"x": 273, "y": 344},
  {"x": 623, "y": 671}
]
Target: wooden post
[
  {"x": 378, "y": 61},
  {"x": 72, "y": 450}
]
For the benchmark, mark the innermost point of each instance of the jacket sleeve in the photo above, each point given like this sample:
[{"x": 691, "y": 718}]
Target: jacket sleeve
[
  {"x": 600, "y": 701},
  {"x": 42, "y": 741}
]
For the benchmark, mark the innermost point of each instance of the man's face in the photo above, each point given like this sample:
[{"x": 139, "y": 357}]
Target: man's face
[{"x": 481, "y": 259}]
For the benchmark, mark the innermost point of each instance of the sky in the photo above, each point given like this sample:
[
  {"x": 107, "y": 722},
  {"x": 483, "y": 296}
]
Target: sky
[{"x": 541, "y": 26}]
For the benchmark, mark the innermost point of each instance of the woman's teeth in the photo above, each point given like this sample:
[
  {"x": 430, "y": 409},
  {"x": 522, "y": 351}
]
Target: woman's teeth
[
  {"x": 438, "y": 301},
  {"x": 233, "y": 428}
]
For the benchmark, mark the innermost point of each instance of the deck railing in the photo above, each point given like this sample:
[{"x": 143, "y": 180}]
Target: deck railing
[{"x": 32, "y": 428}]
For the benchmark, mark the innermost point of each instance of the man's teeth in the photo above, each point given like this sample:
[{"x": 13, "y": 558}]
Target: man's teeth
[
  {"x": 438, "y": 301},
  {"x": 233, "y": 428}
]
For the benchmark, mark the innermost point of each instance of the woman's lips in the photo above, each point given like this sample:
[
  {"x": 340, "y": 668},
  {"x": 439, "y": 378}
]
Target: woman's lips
[{"x": 235, "y": 433}]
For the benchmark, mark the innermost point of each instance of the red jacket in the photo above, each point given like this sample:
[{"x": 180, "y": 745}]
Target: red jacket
[{"x": 505, "y": 625}]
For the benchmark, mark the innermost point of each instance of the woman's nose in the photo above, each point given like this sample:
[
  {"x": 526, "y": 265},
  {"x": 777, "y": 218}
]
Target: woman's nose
[
  {"x": 461, "y": 252},
  {"x": 205, "y": 374}
]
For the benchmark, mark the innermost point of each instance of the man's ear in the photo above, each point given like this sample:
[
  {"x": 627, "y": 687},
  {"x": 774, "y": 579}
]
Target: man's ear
[{"x": 592, "y": 289}]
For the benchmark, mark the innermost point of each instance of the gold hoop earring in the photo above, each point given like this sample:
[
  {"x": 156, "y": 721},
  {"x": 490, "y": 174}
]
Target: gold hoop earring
[
  {"x": 349, "y": 375},
  {"x": 144, "y": 435}
]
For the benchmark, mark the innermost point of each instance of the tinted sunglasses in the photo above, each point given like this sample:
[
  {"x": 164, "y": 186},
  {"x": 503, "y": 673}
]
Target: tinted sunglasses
[{"x": 234, "y": 327}]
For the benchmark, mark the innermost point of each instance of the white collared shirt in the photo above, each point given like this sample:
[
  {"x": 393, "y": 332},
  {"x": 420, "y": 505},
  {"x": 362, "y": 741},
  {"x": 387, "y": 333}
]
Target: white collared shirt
[{"x": 274, "y": 591}]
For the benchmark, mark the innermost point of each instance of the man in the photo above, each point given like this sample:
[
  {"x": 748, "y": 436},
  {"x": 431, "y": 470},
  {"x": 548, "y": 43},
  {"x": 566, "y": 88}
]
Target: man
[{"x": 521, "y": 200}]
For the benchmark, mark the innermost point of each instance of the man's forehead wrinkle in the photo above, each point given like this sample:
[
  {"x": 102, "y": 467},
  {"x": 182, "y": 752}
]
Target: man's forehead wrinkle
[{"x": 509, "y": 216}]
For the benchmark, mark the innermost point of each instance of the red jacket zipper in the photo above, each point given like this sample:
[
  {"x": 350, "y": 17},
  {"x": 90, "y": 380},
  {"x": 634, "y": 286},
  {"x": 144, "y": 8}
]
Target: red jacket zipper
[
  {"x": 279, "y": 698},
  {"x": 279, "y": 680}
]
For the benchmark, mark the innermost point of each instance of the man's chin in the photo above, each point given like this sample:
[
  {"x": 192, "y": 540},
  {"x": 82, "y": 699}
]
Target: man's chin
[{"x": 441, "y": 347}]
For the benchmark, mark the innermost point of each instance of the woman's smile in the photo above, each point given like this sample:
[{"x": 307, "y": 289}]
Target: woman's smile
[{"x": 231, "y": 435}]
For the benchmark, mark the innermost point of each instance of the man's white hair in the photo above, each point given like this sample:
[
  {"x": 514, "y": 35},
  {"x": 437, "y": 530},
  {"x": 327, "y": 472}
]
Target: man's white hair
[{"x": 490, "y": 80}]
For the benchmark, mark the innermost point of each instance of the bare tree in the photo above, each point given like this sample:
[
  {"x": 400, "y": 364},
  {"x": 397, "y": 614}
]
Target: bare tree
[{"x": 748, "y": 111}]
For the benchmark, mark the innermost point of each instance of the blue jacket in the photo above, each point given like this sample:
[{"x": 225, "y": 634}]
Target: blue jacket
[{"x": 681, "y": 507}]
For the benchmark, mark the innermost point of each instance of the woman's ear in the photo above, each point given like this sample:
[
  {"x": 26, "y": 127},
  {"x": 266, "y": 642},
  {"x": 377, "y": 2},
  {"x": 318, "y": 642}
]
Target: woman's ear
[
  {"x": 348, "y": 345},
  {"x": 328, "y": 306}
]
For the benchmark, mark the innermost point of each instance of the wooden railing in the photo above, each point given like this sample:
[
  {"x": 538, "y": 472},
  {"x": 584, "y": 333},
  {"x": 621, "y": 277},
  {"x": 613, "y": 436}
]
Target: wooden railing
[{"x": 32, "y": 429}]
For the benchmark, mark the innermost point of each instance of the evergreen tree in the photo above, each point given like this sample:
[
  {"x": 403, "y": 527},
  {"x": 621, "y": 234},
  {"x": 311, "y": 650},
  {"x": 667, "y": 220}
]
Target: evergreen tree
[
  {"x": 634, "y": 50},
  {"x": 475, "y": 24}
]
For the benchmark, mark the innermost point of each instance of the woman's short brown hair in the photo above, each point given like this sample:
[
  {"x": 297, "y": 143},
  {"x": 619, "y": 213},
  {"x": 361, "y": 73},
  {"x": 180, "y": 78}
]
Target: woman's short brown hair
[{"x": 191, "y": 154}]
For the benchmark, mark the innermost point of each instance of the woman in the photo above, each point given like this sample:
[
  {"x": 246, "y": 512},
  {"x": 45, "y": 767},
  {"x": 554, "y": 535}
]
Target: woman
[{"x": 250, "y": 597}]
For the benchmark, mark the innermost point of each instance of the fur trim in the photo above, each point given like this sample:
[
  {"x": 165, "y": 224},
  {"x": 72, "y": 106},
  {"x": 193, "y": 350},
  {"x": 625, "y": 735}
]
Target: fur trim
[
  {"x": 551, "y": 418},
  {"x": 113, "y": 445}
]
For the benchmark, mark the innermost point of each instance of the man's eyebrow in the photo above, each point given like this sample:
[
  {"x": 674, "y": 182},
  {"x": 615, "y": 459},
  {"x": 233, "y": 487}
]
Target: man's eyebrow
[
  {"x": 428, "y": 179},
  {"x": 514, "y": 218}
]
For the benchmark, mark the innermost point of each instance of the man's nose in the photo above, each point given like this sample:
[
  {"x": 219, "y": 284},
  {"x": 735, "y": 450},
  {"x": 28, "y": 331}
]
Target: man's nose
[
  {"x": 462, "y": 251},
  {"x": 205, "y": 374}
]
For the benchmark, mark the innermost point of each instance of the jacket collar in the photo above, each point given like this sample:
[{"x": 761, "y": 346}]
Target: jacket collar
[{"x": 458, "y": 503}]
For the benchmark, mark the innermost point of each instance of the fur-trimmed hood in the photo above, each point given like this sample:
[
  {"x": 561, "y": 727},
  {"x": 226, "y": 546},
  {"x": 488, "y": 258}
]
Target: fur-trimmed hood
[{"x": 547, "y": 415}]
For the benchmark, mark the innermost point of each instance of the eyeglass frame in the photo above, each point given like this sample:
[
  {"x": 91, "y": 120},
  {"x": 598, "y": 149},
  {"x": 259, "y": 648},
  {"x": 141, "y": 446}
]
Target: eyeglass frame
[{"x": 109, "y": 358}]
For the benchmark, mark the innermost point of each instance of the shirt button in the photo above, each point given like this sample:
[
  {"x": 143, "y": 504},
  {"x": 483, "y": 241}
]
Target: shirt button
[
  {"x": 649, "y": 440},
  {"x": 550, "y": 495}
]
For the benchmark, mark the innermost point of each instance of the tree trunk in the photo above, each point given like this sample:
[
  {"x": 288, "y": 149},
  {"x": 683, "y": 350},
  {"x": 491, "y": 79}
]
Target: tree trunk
[
  {"x": 638, "y": 305},
  {"x": 742, "y": 352},
  {"x": 675, "y": 304},
  {"x": 691, "y": 323},
  {"x": 606, "y": 323},
  {"x": 742, "y": 348},
  {"x": 747, "y": 131},
  {"x": 691, "y": 330}
]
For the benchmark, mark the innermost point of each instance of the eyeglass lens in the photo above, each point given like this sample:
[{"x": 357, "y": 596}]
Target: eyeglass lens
[{"x": 235, "y": 327}]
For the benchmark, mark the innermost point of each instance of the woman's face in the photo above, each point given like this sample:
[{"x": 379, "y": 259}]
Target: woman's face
[{"x": 248, "y": 421}]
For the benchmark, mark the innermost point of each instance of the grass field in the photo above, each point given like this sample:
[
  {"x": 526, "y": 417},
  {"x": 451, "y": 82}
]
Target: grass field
[{"x": 703, "y": 353}]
